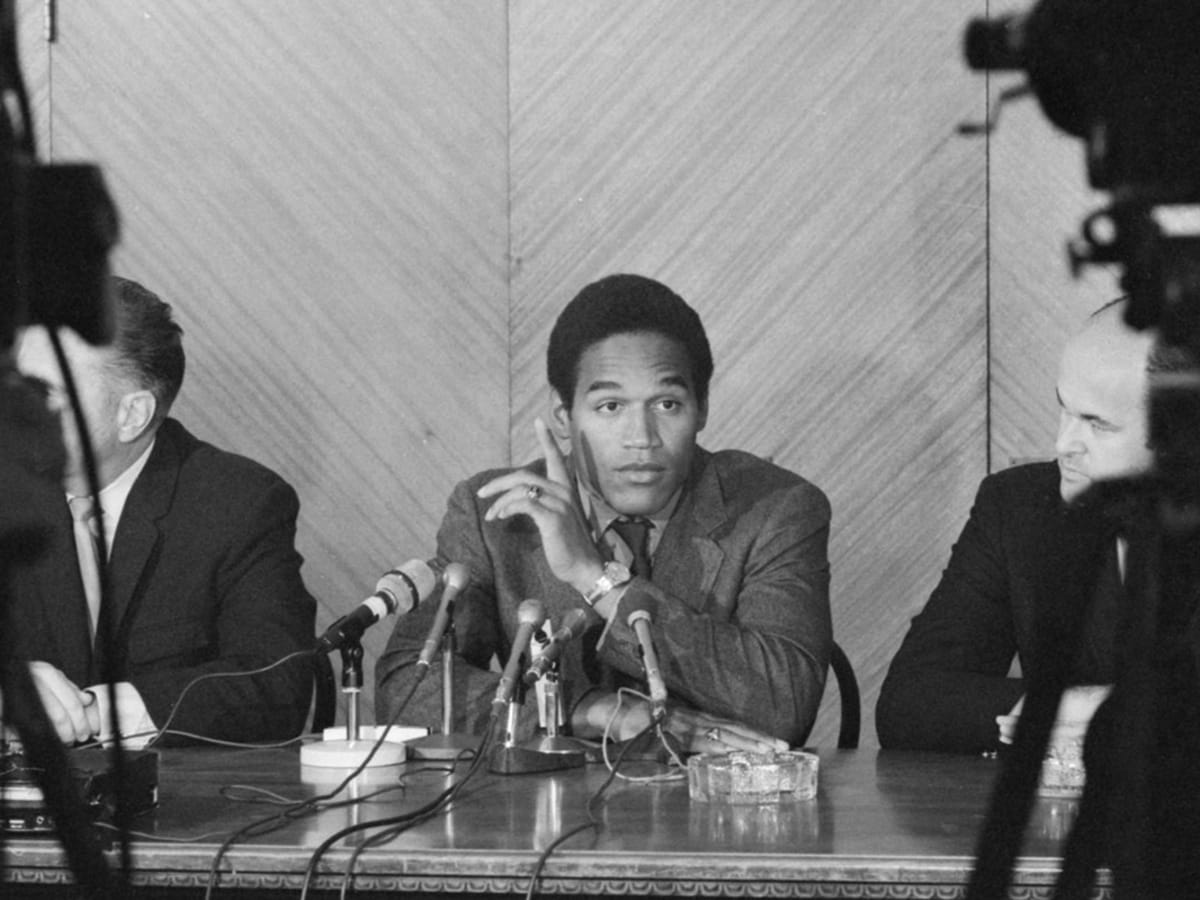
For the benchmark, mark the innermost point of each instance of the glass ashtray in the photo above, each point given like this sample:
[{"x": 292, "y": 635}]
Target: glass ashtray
[{"x": 741, "y": 777}]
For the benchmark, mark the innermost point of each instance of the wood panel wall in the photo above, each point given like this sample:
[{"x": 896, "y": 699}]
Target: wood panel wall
[{"x": 367, "y": 216}]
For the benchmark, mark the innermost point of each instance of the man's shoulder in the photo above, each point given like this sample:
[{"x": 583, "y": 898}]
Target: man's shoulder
[
  {"x": 479, "y": 479},
  {"x": 202, "y": 462},
  {"x": 1028, "y": 484},
  {"x": 746, "y": 478}
]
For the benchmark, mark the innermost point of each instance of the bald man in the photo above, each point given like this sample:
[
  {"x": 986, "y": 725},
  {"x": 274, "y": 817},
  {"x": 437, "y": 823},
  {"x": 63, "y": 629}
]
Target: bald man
[{"x": 952, "y": 686}]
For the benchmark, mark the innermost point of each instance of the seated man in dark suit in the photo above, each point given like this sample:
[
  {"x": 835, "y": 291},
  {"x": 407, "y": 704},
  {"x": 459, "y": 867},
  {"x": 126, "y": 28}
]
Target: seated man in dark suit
[
  {"x": 949, "y": 687},
  {"x": 203, "y": 573},
  {"x": 734, "y": 565}
]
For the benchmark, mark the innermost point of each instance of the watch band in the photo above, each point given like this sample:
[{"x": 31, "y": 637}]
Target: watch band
[{"x": 614, "y": 575}]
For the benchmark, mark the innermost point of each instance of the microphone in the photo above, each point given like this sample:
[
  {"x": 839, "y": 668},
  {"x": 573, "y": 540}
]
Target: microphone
[
  {"x": 454, "y": 579},
  {"x": 639, "y": 621},
  {"x": 572, "y": 626},
  {"x": 398, "y": 591},
  {"x": 529, "y": 615}
]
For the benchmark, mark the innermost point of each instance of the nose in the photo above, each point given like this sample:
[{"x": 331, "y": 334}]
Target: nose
[
  {"x": 641, "y": 430},
  {"x": 1070, "y": 436}
]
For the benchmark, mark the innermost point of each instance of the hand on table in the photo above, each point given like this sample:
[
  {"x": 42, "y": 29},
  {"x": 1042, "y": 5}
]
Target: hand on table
[
  {"x": 1075, "y": 710},
  {"x": 552, "y": 503},
  {"x": 72, "y": 711},
  {"x": 696, "y": 731}
]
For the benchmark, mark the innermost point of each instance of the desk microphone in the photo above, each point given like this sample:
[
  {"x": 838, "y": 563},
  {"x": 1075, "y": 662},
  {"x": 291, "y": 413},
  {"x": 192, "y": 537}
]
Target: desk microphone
[
  {"x": 530, "y": 614},
  {"x": 399, "y": 591},
  {"x": 572, "y": 626},
  {"x": 639, "y": 621},
  {"x": 454, "y": 579}
]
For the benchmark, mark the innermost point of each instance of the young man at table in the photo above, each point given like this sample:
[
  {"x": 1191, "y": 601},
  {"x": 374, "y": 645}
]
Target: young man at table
[
  {"x": 735, "y": 568},
  {"x": 204, "y": 577},
  {"x": 949, "y": 687}
]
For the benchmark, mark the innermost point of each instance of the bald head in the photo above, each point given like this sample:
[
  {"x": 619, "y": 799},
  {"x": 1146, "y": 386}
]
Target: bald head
[{"x": 1103, "y": 430}]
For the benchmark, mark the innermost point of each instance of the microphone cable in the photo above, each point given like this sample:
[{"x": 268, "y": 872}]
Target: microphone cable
[
  {"x": 656, "y": 726},
  {"x": 593, "y": 818},
  {"x": 394, "y": 825},
  {"x": 306, "y": 807}
]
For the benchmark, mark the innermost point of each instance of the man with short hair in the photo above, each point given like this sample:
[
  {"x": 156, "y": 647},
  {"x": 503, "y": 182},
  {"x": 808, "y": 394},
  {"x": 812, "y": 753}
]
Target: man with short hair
[
  {"x": 1030, "y": 533},
  {"x": 727, "y": 551},
  {"x": 203, "y": 574}
]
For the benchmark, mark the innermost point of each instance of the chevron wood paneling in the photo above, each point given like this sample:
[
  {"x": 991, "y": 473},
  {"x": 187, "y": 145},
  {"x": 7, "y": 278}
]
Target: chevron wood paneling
[
  {"x": 1039, "y": 197},
  {"x": 368, "y": 216},
  {"x": 790, "y": 168},
  {"x": 319, "y": 189}
]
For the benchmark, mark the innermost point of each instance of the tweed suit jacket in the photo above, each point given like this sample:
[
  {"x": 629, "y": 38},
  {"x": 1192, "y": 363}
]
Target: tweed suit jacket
[
  {"x": 739, "y": 597},
  {"x": 204, "y": 577}
]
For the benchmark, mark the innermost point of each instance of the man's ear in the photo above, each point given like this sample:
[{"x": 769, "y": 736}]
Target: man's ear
[
  {"x": 702, "y": 420},
  {"x": 560, "y": 417},
  {"x": 135, "y": 415}
]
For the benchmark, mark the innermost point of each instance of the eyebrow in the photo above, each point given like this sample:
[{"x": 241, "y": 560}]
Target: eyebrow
[
  {"x": 1087, "y": 417},
  {"x": 670, "y": 381}
]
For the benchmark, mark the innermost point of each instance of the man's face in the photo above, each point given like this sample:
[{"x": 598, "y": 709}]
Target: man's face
[
  {"x": 633, "y": 420},
  {"x": 99, "y": 398},
  {"x": 1102, "y": 423}
]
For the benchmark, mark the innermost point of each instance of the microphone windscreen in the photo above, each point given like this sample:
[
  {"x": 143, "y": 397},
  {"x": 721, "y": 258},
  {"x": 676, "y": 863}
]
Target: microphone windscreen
[
  {"x": 457, "y": 576},
  {"x": 408, "y": 584}
]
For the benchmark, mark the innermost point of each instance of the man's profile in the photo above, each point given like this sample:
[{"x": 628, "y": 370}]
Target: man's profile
[{"x": 950, "y": 681}]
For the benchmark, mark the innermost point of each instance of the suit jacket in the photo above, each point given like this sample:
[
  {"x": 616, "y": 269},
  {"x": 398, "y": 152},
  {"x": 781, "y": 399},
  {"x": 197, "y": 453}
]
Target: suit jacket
[
  {"x": 739, "y": 593},
  {"x": 204, "y": 577},
  {"x": 1029, "y": 575}
]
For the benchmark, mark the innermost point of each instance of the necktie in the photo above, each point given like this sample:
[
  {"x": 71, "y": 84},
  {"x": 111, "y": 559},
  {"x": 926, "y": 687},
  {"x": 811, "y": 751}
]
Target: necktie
[
  {"x": 636, "y": 535},
  {"x": 87, "y": 533}
]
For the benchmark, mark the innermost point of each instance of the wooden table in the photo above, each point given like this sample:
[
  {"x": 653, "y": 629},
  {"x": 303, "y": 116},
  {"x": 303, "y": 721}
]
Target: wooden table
[{"x": 884, "y": 824}]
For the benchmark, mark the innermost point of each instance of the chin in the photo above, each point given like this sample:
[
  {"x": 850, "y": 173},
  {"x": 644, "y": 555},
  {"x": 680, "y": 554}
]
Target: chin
[
  {"x": 1070, "y": 490},
  {"x": 638, "y": 504}
]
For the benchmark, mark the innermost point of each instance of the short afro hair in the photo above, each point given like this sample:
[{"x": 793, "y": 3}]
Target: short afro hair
[{"x": 624, "y": 304}]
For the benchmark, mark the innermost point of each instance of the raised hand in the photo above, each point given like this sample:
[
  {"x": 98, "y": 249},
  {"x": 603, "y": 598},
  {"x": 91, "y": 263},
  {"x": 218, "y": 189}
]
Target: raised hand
[{"x": 553, "y": 504}]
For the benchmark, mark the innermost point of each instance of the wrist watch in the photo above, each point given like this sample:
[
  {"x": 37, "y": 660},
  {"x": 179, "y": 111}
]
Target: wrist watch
[{"x": 614, "y": 575}]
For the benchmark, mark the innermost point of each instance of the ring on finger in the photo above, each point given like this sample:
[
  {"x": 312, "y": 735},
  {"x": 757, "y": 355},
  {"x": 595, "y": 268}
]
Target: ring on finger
[{"x": 533, "y": 492}]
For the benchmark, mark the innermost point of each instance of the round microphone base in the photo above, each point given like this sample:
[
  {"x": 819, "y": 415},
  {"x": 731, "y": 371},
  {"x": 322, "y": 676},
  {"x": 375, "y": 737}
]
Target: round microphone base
[{"x": 351, "y": 754}]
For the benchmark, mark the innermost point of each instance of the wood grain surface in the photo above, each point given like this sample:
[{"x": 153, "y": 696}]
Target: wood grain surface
[{"x": 368, "y": 215}]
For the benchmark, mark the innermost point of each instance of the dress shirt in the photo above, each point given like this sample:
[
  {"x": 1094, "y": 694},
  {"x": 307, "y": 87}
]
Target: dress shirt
[{"x": 134, "y": 717}]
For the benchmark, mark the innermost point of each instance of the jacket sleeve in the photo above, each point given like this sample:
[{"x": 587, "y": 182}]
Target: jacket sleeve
[
  {"x": 949, "y": 680},
  {"x": 755, "y": 647},
  {"x": 243, "y": 608},
  {"x": 410, "y": 694}
]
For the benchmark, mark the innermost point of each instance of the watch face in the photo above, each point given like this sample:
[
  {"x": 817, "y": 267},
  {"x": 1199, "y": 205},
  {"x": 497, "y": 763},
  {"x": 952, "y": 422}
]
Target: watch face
[{"x": 618, "y": 573}]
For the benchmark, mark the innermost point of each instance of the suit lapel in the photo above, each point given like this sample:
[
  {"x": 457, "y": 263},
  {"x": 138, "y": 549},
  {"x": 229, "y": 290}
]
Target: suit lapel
[
  {"x": 138, "y": 533},
  {"x": 701, "y": 512}
]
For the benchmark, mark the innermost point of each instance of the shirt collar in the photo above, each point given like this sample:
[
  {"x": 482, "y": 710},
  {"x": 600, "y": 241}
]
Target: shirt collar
[
  {"x": 600, "y": 515},
  {"x": 113, "y": 496}
]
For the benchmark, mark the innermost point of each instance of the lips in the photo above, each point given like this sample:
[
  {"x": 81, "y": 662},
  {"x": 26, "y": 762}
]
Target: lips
[
  {"x": 641, "y": 472},
  {"x": 1071, "y": 474}
]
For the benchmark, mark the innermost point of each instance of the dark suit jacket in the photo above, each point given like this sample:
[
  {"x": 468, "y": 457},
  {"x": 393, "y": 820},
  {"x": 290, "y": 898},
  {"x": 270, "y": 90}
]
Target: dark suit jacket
[
  {"x": 1023, "y": 564},
  {"x": 204, "y": 577},
  {"x": 740, "y": 598}
]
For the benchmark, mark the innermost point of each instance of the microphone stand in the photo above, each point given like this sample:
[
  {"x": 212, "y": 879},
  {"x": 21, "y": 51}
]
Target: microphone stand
[
  {"x": 448, "y": 745},
  {"x": 511, "y": 759},
  {"x": 552, "y": 741},
  {"x": 352, "y": 751}
]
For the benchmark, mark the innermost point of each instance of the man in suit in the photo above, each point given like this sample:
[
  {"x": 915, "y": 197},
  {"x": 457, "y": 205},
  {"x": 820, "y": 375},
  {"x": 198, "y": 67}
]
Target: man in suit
[
  {"x": 1034, "y": 541},
  {"x": 203, "y": 575},
  {"x": 727, "y": 552}
]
